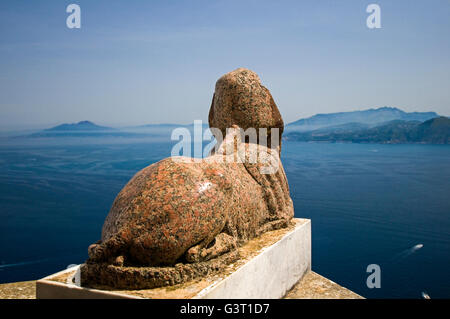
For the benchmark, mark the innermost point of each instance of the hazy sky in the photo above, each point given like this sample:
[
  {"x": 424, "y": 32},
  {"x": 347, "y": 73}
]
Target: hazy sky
[{"x": 138, "y": 62}]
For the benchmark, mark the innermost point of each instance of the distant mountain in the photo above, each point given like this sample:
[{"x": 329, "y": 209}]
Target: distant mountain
[
  {"x": 436, "y": 131},
  {"x": 89, "y": 129},
  {"x": 433, "y": 131},
  {"x": 80, "y": 126},
  {"x": 342, "y": 128},
  {"x": 370, "y": 117},
  {"x": 368, "y": 129},
  {"x": 82, "y": 129}
]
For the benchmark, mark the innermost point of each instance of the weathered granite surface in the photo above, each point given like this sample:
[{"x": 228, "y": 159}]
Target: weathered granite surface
[
  {"x": 315, "y": 286},
  {"x": 181, "y": 218},
  {"x": 18, "y": 290}
]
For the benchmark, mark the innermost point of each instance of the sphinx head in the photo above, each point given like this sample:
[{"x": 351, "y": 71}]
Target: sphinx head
[{"x": 240, "y": 99}]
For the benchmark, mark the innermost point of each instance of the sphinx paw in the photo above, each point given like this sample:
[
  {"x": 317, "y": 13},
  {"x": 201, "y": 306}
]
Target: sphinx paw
[{"x": 220, "y": 245}]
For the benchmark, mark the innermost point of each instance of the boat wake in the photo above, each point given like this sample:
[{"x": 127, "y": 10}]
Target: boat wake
[
  {"x": 406, "y": 253},
  {"x": 24, "y": 263}
]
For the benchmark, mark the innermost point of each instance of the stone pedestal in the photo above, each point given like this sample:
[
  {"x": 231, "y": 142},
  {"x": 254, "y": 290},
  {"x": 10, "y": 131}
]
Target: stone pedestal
[{"x": 268, "y": 267}]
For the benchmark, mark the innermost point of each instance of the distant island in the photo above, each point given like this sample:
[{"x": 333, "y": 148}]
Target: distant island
[
  {"x": 83, "y": 128},
  {"x": 89, "y": 129},
  {"x": 382, "y": 125},
  {"x": 368, "y": 117},
  {"x": 80, "y": 126}
]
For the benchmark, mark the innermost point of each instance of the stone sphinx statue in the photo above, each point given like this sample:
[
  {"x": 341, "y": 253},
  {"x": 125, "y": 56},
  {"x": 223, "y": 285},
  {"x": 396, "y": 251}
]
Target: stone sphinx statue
[{"x": 180, "y": 218}]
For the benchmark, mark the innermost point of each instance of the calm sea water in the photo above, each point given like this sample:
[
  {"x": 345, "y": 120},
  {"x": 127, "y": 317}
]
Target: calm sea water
[{"x": 369, "y": 204}]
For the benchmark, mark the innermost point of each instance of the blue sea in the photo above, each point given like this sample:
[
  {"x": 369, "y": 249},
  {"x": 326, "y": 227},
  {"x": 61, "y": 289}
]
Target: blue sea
[{"x": 369, "y": 204}]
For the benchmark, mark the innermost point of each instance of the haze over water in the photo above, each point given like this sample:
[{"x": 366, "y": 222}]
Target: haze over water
[{"x": 369, "y": 204}]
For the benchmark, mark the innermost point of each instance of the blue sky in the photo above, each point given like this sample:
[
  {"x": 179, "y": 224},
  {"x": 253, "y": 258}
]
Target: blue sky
[{"x": 139, "y": 62}]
